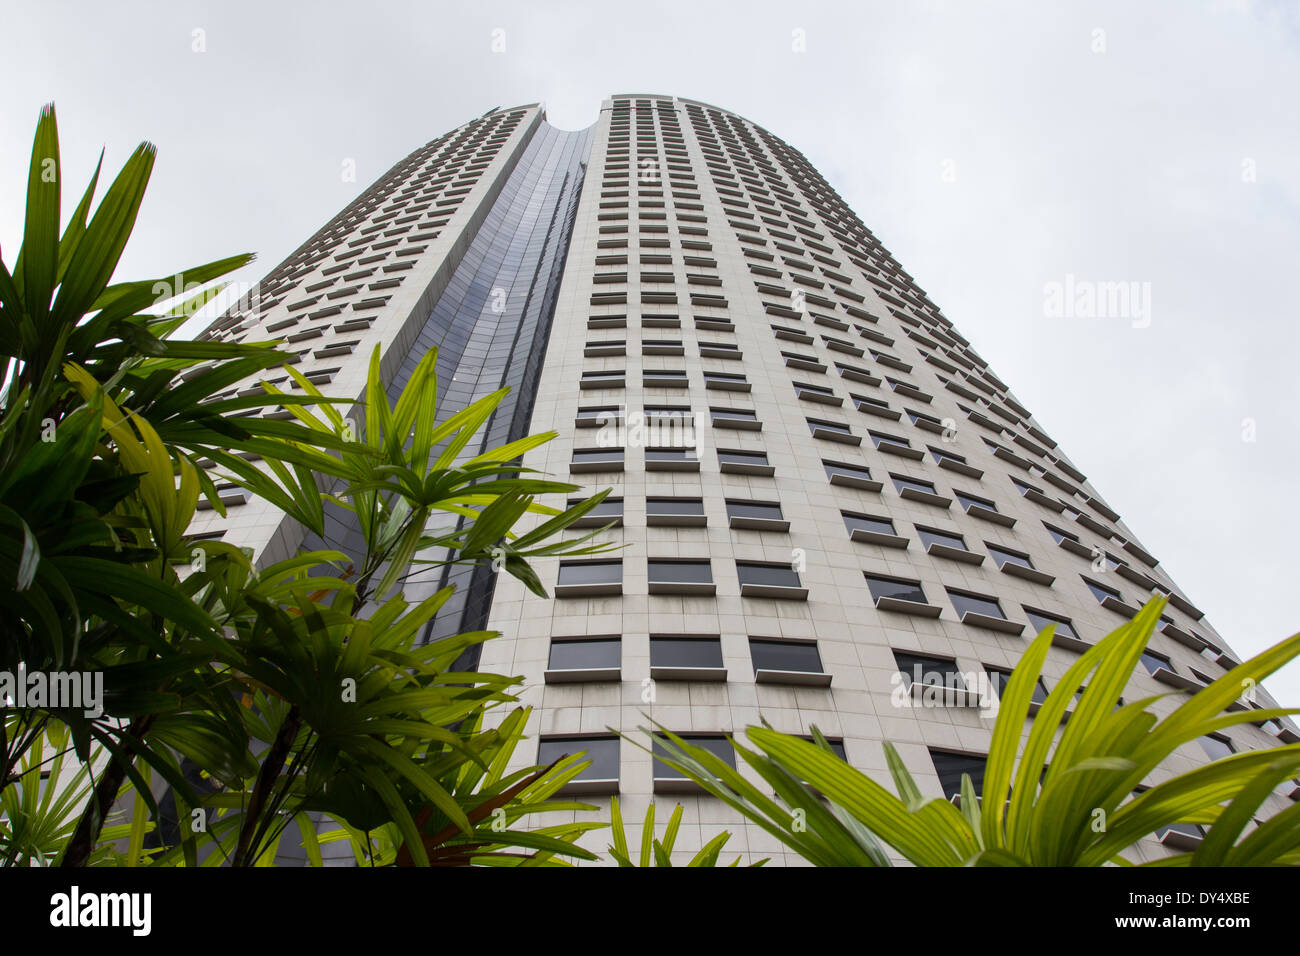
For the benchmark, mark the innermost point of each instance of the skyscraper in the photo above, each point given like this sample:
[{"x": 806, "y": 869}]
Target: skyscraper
[{"x": 828, "y": 502}]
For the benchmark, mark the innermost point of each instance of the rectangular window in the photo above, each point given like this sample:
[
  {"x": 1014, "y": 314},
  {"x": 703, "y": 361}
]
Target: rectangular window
[
  {"x": 896, "y": 589},
  {"x": 759, "y": 515},
  {"x": 1039, "y": 620},
  {"x": 902, "y": 483},
  {"x": 999, "y": 679},
  {"x": 1154, "y": 662},
  {"x": 858, "y": 522},
  {"x": 951, "y": 766},
  {"x": 784, "y": 657},
  {"x": 1005, "y": 556},
  {"x": 1217, "y": 746},
  {"x": 602, "y": 751},
  {"x": 680, "y": 577},
  {"x": 744, "y": 462},
  {"x": 675, "y": 657},
  {"x": 964, "y": 603},
  {"x": 579, "y": 578},
  {"x": 857, "y": 476},
  {"x": 818, "y": 425},
  {"x": 945, "y": 539},
  {"x": 769, "y": 580},
  {"x": 584, "y": 659},
  {"x": 668, "y": 780},
  {"x": 922, "y": 669},
  {"x": 880, "y": 439},
  {"x": 971, "y": 501}
]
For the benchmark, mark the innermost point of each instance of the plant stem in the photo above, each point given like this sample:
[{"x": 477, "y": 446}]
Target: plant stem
[
  {"x": 92, "y": 818},
  {"x": 266, "y": 778}
]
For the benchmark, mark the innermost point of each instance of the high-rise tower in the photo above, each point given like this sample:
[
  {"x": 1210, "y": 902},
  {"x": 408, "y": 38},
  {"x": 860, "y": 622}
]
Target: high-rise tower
[{"x": 825, "y": 496}]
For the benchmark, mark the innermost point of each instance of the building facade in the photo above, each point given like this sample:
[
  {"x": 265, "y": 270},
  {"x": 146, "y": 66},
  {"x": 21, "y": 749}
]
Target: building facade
[{"x": 825, "y": 498}]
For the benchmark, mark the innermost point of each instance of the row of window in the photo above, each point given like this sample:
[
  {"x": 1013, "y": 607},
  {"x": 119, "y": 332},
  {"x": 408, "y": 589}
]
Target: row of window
[{"x": 685, "y": 657}]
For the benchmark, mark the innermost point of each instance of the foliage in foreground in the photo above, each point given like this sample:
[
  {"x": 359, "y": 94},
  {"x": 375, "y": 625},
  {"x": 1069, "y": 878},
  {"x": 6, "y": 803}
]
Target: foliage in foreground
[
  {"x": 1072, "y": 804},
  {"x": 251, "y": 697}
]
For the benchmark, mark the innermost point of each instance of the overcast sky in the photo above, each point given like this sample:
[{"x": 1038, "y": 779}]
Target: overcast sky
[{"x": 993, "y": 148}]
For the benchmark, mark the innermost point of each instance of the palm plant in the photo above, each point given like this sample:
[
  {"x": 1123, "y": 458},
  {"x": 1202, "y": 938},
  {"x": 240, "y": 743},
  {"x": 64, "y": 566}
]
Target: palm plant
[
  {"x": 657, "y": 851},
  {"x": 1065, "y": 796},
  {"x": 296, "y": 690}
]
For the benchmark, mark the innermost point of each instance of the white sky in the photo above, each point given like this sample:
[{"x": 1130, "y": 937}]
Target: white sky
[{"x": 1134, "y": 164}]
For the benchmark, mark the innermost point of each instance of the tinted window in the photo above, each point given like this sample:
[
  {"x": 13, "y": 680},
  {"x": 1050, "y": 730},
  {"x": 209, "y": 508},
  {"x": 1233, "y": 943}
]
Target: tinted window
[
  {"x": 680, "y": 572},
  {"x": 891, "y": 588},
  {"x": 854, "y": 522},
  {"x": 913, "y": 483},
  {"x": 717, "y": 745},
  {"x": 999, "y": 680},
  {"x": 601, "y": 751},
  {"x": 849, "y": 471},
  {"x": 584, "y": 654},
  {"x": 753, "y": 509},
  {"x": 591, "y": 572},
  {"x": 1009, "y": 557},
  {"x": 767, "y": 574},
  {"x": 950, "y": 767},
  {"x": 979, "y": 605},
  {"x": 929, "y": 537},
  {"x": 674, "y": 506},
  {"x": 918, "y": 668},
  {"x": 784, "y": 656},
  {"x": 685, "y": 652},
  {"x": 1040, "y": 621}
]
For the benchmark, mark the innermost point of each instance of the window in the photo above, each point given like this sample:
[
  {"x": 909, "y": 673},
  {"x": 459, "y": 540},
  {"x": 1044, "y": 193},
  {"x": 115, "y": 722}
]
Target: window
[
  {"x": 832, "y": 431},
  {"x": 886, "y": 442},
  {"x": 675, "y": 511},
  {"x": 735, "y": 418},
  {"x": 1058, "y": 535},
  {"x": 686, "y": 657},
  {"x": 971, "y": 501},
  {"x": 1217, "y": 746},
  {"x": 579, "y": 578},
  {"x": 941, "y": 456},
  {"x": 581, "y": 659},
  {"x": 902, "y": 483},
  {"x": 921, "y": 669},
  {"x": 951, "y": 766},
  {"x": 1154, "y": 662},
  {"x": 610, "y": 379},
  {"x": 944, "y": 539},
  {"x": 855, "y": 476},
  {"x": 769, "y": 580},
  {"x": 680, "y": 577},
  {"x": 1039, "y": 620},
  {"x": 608, "y": 511},
  {"x": 601, "y": 750},
  {"x": 744, "y": 462},
  {"x": 1004, "y": 556},
  {"x": 1101, "y": 592},
  {"x": 966, "y": 603},
  {"x": 872, "y": 405},
  {"x": 671, "y": 414},
  {"x": 727, "y": 381},
  {"x": 787, "y": 662},
  {"x": 757, "y": 515},
  {"x": 815, "y": 393},
  {"x": 664, "y": 379},
  {"x": 894, "y": 590},
  {"x": 999, "y": 679},
  {"x": 598, "y": 415},
  {"x": 668, "y": 780},
  {"x": 596, "y": 459},
  {"x": 671, "y": 459},
  {"x": 856, "y": 522},
  {"x": 836, "y": 745}
]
